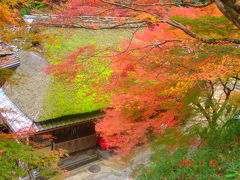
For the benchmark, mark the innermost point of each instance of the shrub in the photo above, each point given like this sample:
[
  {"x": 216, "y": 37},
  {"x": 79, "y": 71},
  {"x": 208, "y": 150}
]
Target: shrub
[
  {"x": 26, "y": 10},
  {"x": 217, "y": 157}
]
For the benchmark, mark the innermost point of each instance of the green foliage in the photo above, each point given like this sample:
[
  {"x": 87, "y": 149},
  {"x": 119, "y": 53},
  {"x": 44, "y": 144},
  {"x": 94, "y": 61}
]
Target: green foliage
[
  {"x": 63, "y": 99},
  {"x": 5, "y": 75},
  {"x": 210, "y": 26},
  {"x": 206, "y": 51},
  {"x": 26, "y": 10},
  {"x": 12, "y": 152},
  {"x": 217, "y": 158}
]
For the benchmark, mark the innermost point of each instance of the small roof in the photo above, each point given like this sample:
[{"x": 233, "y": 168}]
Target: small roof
[
  {"x": 16, "y": 120},
  {"x": 8, "y": 59}
]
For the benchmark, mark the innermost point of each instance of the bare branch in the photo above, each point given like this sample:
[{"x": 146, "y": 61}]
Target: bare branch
[
  {"x": 203, "y": 111},
  {"x": 130, "y": 42},
  {"x": 177, "y": 25},
  {"x": 225, "y": 88},
  {"x": 212, "y": 89},
  {"x": 184, "y": 4},
  {"x": 156, "y": 44},
  {"x": 203, "y": 39},
  {"x": 236, "y": 77},
  {"x": 235, "y": 83}
]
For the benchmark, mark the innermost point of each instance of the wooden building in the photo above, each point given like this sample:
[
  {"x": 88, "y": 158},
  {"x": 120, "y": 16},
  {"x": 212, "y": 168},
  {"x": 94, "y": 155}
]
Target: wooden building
[{"x": 74, "y": 133}]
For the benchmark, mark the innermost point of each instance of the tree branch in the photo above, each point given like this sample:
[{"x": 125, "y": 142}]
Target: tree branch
[
  {"x": 230, "y": 10},
  {"x": 236, "y": 77},
  {"x": 212, "y": 89},
  {"x": 204, "y": 113},
  {"x": 225, "y": 88},
  {"x": 156, "y": 44},
  {"x": 235, "y": 83},
  {"x": 184, "y": 4},
  {"x": 177, "y": 25},
  {"x": 203, "y": 39}
]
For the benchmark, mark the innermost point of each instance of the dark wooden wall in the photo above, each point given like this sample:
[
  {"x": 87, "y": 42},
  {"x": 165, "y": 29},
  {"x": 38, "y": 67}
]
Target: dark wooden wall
[
  {"x": 73, "y": 132},
  {"x": 73, "y": 138}
]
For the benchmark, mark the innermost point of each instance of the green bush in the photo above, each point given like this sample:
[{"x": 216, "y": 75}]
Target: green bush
[
  {"x": 218, "y": 156},
  {"x": 26, "y": 10}
]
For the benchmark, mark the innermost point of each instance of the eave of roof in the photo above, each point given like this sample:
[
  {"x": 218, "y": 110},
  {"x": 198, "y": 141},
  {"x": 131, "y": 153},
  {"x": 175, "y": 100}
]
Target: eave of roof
[
  {"x": 16, "y": 120},
  {"x": 68, "y": 120}
]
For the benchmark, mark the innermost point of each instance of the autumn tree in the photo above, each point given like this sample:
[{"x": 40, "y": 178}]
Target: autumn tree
[
  {"x": 9, "y": 18},
  {"x": 183, "y": 65},
  {"x": 18, "y": 160},
  {"x": 17, "y": 156}
]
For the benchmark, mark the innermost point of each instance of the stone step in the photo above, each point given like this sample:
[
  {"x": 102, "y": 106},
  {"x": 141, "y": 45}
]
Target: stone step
[{"x": 77, "y": 162}]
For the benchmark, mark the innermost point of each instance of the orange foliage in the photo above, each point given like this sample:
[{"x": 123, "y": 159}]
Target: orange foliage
[{"x": 152, "y": 77}]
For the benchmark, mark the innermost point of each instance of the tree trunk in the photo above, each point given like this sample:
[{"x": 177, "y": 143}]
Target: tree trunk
[{"x": 230, "y": 9}]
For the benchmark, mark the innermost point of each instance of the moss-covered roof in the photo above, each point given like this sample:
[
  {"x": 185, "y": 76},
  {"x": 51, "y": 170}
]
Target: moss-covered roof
[
  {"x": 63, "y": 99},
  {"x": 68, "y": 120},
  {"x": 42, "y": 98}
]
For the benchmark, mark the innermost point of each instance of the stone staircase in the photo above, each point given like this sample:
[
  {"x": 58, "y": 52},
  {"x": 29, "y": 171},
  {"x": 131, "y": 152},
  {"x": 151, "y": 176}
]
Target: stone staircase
[{"x": 79, "y": 159}]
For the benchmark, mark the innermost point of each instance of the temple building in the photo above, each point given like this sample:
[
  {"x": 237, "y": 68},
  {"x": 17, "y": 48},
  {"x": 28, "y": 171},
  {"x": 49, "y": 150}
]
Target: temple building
[{"x": 22, "y": 104}]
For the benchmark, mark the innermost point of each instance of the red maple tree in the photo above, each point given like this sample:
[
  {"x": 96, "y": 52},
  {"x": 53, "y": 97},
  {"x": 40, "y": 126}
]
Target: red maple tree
[{"x": 185, "y": 62}]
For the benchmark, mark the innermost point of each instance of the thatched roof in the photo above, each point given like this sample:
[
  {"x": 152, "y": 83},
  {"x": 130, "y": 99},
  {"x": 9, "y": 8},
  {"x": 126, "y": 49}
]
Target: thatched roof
[
  {"x": 29, "y": 95},
  {"x": 26, "y": 99}
]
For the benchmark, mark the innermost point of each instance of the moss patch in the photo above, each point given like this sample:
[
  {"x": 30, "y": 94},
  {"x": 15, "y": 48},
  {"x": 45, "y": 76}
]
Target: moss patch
[{"x": 63, "y": 99}]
